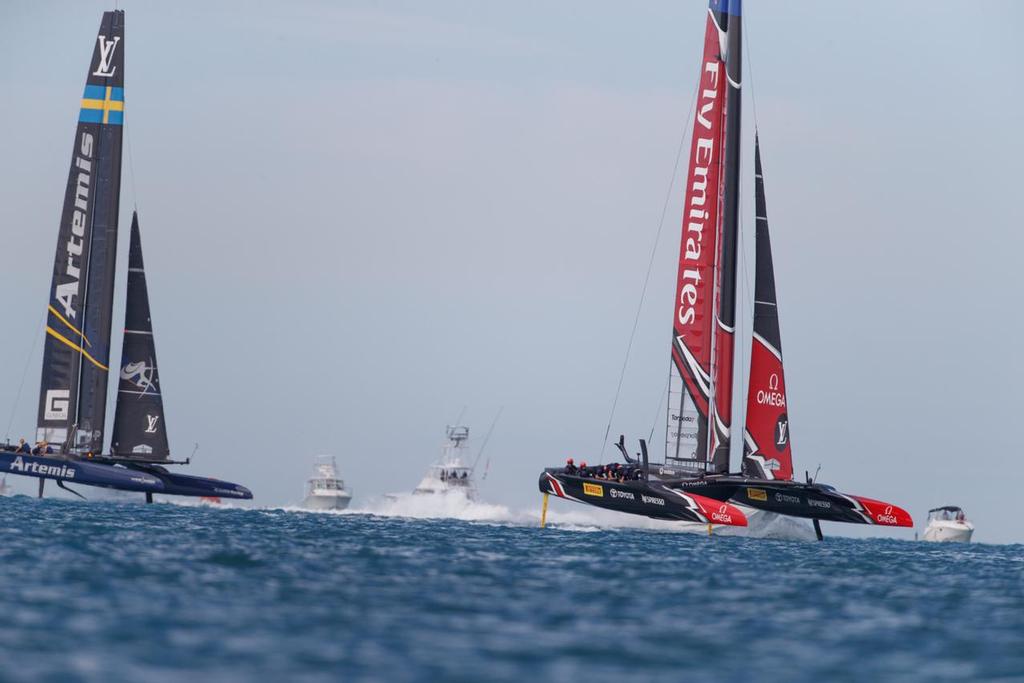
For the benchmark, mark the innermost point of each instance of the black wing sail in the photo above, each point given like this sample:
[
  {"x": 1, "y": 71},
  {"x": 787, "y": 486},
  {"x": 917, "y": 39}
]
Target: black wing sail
[
  {"x": 73, "y": 387},
  {"x": 139, "y": 427},
  {"x": 767, "y": 451}
]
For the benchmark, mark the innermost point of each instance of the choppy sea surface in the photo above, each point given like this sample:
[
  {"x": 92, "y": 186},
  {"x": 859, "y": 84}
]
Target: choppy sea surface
[{"x": 128, "y": 592}]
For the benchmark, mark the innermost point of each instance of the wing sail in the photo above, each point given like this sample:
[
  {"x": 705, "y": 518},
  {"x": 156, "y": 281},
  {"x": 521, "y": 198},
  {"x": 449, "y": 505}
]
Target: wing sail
[
  {"x": 140, "y": 430},
  {"x": 689, "y": 386},
  {"x": 73, "y": 386},
  {"x": 767, "y": 452}
]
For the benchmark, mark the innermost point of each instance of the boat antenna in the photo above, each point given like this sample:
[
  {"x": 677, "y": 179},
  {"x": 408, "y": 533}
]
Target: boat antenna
[
  {"x": 487, "y": 438},
  {"x": 458, "y": 420},
  {"x": 650, "y": 266},
  {"x": 194, "y": 449}
]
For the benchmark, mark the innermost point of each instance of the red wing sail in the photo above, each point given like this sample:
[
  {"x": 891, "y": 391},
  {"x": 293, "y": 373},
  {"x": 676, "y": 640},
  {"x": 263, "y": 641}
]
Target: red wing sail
[
  {"x": 767, "y": 452},
  {"x": 690, "y": 378}
]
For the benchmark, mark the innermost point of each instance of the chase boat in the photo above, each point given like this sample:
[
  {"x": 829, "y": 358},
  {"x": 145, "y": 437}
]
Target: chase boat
[
  {"x": 948, "y": 524},
  {"x": 76, "y": 356},
  {"x": 694, "y": 475},
  {"x": 325, "y": 490},
  {"x": 453, "y": 473}
]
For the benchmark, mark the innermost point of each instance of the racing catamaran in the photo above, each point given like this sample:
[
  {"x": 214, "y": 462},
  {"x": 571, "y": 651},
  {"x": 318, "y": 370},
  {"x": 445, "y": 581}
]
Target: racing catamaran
[
  {"x": 76, "y": 356},
  {"x": 700, "y": 386}
]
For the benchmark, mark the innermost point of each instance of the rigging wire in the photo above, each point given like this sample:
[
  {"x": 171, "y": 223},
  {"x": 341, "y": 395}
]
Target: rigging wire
[
  {"x": 24, "y": 373},
  {"x": 487, "y": 437},
  {"x": 650, "y": 267},
  {"x": 661, "y": 400},
  {"x": 131, "y": 163}
]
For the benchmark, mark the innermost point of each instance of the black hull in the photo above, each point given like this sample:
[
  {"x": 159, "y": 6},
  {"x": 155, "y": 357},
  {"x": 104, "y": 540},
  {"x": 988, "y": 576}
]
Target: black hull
[
  {"x": 795, "y": 499},
  {"x": 694, "y": 500},
  {"x": 649, "y": 499},
  {"x": 818, "y": 502},
  {"x": 142, "y": 478}
]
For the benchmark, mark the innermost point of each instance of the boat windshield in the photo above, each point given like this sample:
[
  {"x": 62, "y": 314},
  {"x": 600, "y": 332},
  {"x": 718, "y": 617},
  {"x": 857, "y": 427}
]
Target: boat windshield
[
  {"x": 454, "y": 476},
  {"x": 328, "y": 484},
  {"x": 946, "y": 514}
]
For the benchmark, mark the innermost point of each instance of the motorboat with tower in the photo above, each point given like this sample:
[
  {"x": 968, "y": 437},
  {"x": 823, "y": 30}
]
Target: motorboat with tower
[
  {"x": 325, "y": 490},
  {"x": 453, "y": 473},
  {"x": 76, "y": 356},
  {"x": 699, "y": 428}
]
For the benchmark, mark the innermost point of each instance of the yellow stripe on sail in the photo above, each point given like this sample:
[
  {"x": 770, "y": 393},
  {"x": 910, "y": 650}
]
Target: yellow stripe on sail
[
  {"x": 74, "y": 329},
  {"x": 61, "y": 338}
]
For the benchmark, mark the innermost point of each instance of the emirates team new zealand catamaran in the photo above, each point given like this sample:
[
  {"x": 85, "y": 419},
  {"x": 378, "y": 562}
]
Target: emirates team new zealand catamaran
[
  {"x": 700, "y": 392},
  {"x": 73, "y": 390}
]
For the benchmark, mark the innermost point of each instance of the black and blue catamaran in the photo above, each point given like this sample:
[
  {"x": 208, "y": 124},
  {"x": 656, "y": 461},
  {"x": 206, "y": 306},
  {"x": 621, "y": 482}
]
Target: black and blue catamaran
[{"x": 76, "y": 356}]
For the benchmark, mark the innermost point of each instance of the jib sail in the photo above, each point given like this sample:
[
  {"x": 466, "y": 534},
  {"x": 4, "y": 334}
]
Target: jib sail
[
  {"x": 73, "y": 388},
  {"x": 766, "y": 447},
  {"x": 139, "y": 427},
  {"x": 725, "y": 328},
  {"x": 689, "y": 387}
]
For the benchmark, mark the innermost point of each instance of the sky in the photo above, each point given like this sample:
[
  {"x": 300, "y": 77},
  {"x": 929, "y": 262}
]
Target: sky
[{"x": 363, "y": 219}]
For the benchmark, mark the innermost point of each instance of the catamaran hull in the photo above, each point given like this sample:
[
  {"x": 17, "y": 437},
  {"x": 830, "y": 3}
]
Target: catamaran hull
[
  {"x": 813, "y": 501},
  {"x": 143, "y": 480},
  {"x": 641, "y": 498},
  {"x": 794, "y": 499}
]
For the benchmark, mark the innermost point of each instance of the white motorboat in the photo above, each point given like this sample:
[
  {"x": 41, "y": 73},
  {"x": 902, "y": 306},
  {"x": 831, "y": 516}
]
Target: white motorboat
[
  {"x": 452, "y": 474},
  {"x": 5, "y": 488},
  {"x": 325, "y": 491},
  {"x": 947, "y": 524}
]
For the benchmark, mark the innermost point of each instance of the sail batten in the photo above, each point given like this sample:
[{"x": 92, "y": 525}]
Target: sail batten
[
  {"x": 767, "y": 451},
  {"x": 76, "y": 353},
  {"x": 140, "y": 429}
]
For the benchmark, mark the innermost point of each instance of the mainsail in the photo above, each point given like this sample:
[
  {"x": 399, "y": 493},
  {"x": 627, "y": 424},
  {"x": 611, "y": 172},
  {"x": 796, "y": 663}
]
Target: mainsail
[
  {"x": 766, "y": 447},
  {"x": 73, "y": 387},
  {"x": 139, "y": 427},
  {"x": 725, "y": 328},
  {"x": 689, "y": 388}
]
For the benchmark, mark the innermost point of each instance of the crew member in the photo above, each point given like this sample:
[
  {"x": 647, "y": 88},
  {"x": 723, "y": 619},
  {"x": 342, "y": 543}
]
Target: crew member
[
  {"x": 570, "y": 467},
  {"x": 23, "y": 447}
]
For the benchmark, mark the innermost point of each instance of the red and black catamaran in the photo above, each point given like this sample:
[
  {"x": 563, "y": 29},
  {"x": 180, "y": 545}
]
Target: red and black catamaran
[{"x": 700, "y": 392}]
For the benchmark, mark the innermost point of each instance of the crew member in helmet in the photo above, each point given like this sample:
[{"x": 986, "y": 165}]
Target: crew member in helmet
[{"x": 570, "y": 466}]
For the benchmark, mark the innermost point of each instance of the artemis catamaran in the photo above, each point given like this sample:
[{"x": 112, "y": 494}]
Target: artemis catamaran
[
  {"x": 76, "y": 356},
  {"x": 700, "y": 387}
]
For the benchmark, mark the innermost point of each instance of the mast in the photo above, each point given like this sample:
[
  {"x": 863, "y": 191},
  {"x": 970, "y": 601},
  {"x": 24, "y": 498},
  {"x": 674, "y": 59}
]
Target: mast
[
  {"x": 689, "y": 386},
  {"x": 725, "y": 329},
  {"x": 73, "y": 386},
  {"x": 767, "y": 452},
  {"x": 139, "y": 426}
]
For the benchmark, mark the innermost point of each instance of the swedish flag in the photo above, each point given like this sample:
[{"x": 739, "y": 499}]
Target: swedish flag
[{"x": 102, "y": 104}]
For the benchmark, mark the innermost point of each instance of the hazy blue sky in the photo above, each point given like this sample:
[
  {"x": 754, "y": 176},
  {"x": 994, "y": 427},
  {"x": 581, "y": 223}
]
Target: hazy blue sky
[{"x": 360, "y": 217}]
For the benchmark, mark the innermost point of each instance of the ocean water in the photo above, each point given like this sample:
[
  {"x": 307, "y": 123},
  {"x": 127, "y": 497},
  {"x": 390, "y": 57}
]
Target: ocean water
[{"x": 128, "y": 592}]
